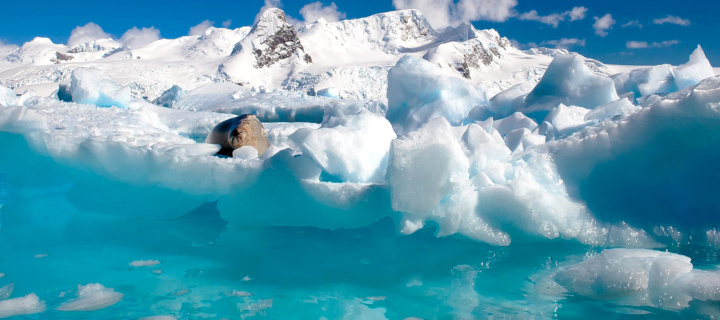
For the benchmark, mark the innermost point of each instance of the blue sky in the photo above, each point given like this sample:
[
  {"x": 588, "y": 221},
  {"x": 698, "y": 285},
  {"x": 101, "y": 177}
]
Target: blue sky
[{"x": 687, "y": 23}]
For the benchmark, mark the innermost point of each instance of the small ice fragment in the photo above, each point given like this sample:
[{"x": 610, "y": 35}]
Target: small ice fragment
[
  {"x": 192, "y": 273},
  {"x": 246, "y": 278},
  {"x": 6, "y": 291},
  {"x": 28, "y": 304},
  {"x": 254, "y": 308},
  {"x": 91, "y": 297},
  {"x": 414, "y": 282},
  {"x": 181, "y": 292},
  {"x": 41, "y": 255},
  {"x": 2, "y": 274},
  {"x": 157, "y": 271},
  {"x": 245, "y": 153},
  {"x": 144, "y": 263},
  {"x": 238, "y": 293}
]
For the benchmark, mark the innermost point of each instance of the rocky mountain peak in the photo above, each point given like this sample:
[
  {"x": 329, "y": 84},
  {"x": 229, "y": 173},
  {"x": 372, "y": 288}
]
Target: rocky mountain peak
[{"x": 272, "y": 39}]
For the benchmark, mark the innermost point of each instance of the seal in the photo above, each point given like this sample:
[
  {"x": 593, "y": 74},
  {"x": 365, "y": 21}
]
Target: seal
[{"x": 243, "y": 130}]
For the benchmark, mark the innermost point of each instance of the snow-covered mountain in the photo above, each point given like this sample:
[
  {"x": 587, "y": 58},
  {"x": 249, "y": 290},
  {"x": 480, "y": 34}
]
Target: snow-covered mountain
[{"x": 349, "y": 57}]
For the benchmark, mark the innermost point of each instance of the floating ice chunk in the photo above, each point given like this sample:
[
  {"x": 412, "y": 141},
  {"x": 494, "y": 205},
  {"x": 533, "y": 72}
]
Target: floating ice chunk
[
  {"x": 170, "y": 96},
  {"x": 482, "y": 145},
  {"x": 245, "y": 153},
  {"x": 91, "y": 297},
  {"x": 616, "y": 273},
  {"x": 424, "y": 167},
  {"x": 632, "y": 150},
  {"x": 654, "y": 80},
  {"x": 567, "y": 119},
  {"x": 507, "y": 102},
  {"x": 428, "y": 177},
  {"x": 144, "y": 263},
  {"x": 7, "y": 97},
  {"x": 254, "y": 308},
  {"x": 668, "y": 279},
  {"x": 513, "y": 139},
  {"x": 6, "y": 291},
  {"x": 351, "y": 145},
  {"x": 419, "y": 92},
  {"x": 647, "y": 81},
  {"x": 463, "y": 297},
  {"x": 696, "y": 69},
  {"x": 569, "y": 81},
  {"x": 29, "y": 304},
  {"x": 359, "y": 309},
  {"x": 522, "y": 139},
  {"x": 330, "y": 92},
  {"x": 664, "y": 79},
  {"x": 92, "y": 86},
  {"x": 515, "y": 121},
  {"x": 618, "y": 107},
  {"x": 238, "y": 293}
]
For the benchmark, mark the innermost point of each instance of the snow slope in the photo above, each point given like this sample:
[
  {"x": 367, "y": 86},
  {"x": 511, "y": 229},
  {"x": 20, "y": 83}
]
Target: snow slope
[{"x": 350, "y": 56}]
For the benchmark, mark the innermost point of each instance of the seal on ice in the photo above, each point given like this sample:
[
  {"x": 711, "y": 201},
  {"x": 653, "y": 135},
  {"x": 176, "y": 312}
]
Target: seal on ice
[{"x": 243, "y": 130}]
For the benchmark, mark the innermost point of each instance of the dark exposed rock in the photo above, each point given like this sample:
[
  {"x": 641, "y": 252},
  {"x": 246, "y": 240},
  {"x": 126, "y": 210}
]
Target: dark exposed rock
[
  {"x": 281, "y": 45},
  {"x": 60, "y": 57}
]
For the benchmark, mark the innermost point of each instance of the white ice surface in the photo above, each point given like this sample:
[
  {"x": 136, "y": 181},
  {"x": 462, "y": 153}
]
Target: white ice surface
[
  {"x": 641, "y": 277},
  {"x": 419, "y": 92},
  {"x": 29, "y": 304},
  {"x": 91, "y": 297}
]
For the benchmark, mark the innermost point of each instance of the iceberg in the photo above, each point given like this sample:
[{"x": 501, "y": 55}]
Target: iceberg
[
  {"x": 351, "y": 145},
  {"x": 92, "y": 86},
  {"x": 664, "y": 79},
  {"x": 569, "y": 81},
  {"x": 667, "y": 280},
  {"x": 418, "y": 92},
  {"x": 26, "y": 305},
  {"x": 91, "y": 297}
]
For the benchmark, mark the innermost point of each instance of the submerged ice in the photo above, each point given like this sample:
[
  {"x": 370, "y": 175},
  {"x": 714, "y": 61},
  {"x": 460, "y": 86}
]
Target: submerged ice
[{"x": 427, "y": 192}]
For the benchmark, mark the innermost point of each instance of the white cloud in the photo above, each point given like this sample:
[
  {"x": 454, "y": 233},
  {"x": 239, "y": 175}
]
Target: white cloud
[
  {"x": 552, "y": 19},
  {"x": 227, "y": 23},
  {"x": 602, "y": 25},
  {"x": 314, "y": 11},
  {"x": 633, "y": 23},
  {"x": 636, "y": 44},
  {"x": 135, "y": 38},
  {"x": 645, "y": 44},
  {"x": 200, "y": 28},
  {"x": 576, "y": 13},
  {"x": 486, "y": 10},
  {"x": 6, "y": 46},
  {"x": 565, "y": 43},
  {"x": 267, "y": 5},
  {"x": 443, "y": 13},
  {"x": 86, "y": 33},
  {"x": 673, "y": 20},
  {"x": 437, "y": 12}
]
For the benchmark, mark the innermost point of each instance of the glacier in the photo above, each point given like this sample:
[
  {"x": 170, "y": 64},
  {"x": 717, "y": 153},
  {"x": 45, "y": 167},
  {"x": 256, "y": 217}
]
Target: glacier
[{"x": 418, "y": 175}]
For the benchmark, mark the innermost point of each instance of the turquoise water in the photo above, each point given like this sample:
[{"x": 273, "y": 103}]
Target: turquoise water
[{"x": 48, "y": 247}]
